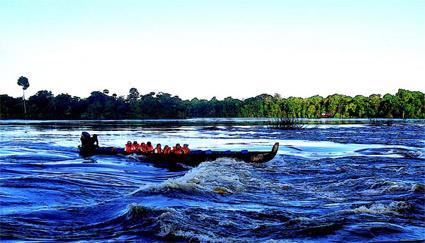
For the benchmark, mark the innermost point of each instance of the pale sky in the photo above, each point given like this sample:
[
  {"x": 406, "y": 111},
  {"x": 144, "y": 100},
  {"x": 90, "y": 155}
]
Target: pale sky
[{"x": 212, "y": 48}]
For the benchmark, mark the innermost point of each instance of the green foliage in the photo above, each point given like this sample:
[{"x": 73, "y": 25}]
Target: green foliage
[
  {"x": 23, "y": 81},
  {"x": 100, "y": 105}
]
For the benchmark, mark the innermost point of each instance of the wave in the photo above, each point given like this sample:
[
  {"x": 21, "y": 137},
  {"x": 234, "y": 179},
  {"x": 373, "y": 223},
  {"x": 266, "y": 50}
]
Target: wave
[
  {"x": 419, "y": 188},
  {"x": 138, "y": 222},
  {"x": 393, "y": 151},
  {"x": 194, "y": 224},
  {"x": 388, "y": 186},
  {"x": 384, "y": 186},
  {"x": 396, "y": 208},
  {"x": 222, "y": 176}
]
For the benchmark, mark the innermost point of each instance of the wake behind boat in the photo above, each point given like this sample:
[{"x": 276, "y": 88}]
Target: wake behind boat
[{"x": 194, "y": 158}]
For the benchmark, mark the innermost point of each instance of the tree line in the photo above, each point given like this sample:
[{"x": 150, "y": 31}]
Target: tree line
[{"x": 102, "y": 105}]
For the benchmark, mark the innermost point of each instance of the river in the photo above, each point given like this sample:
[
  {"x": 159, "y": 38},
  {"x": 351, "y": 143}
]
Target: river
[{"x": 334, "y": 180}]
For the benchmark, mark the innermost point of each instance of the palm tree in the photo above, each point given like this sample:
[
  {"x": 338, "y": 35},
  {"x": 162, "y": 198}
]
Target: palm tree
[{"x": 23, "y": 81}]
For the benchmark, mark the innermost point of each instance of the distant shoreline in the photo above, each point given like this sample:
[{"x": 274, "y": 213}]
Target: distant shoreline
[
  {"x": 102, "y": 106},
  {"x": 214, "y": 121}
]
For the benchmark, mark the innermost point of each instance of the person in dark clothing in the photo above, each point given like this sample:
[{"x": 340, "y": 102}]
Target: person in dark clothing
[
  {"x": 95, "y": 142},
  {"x": 89, "y": 143},
  {"x": 85, "y": 140}
]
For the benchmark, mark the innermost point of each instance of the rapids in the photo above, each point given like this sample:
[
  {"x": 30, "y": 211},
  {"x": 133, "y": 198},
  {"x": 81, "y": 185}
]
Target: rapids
[{"x": 337, "y": 180}]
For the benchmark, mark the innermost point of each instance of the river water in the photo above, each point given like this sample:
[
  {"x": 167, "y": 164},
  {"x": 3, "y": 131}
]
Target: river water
[{"x": 331, "y": 181}]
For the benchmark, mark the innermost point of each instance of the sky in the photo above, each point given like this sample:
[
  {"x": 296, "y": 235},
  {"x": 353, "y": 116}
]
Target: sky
[{"x": 200, "y": 48}]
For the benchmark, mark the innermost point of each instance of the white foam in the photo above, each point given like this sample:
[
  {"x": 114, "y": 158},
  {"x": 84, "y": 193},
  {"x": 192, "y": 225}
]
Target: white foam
[
  {"x": 396, "y": 208},
  {"x": 223, "y": 175}
]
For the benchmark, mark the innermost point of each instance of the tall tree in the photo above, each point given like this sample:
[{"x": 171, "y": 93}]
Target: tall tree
[
  {"x": 23, "y": 81},
  {"x": 133, "y": 94}
]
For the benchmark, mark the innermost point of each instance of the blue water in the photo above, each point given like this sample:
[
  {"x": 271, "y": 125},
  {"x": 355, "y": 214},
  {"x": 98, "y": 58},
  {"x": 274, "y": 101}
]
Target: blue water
[{"x": 330, "y": 182}]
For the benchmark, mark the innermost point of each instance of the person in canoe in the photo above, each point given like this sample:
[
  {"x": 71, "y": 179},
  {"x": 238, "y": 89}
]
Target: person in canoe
[
  {"x": 186, "y": 149},
  {"x": 177, "y": 149},
  {"x": 142, "y": 147},
  {"x": 95, "y": 141},
  {"x": 89, "y": 143},
  {"x": 167, "y": 150},
  {"x": 128, "y": 146},
  {"x": 135, "y": 147},
  {"x": 149, "y": 147},
  {"x": 158, "y": 149}
]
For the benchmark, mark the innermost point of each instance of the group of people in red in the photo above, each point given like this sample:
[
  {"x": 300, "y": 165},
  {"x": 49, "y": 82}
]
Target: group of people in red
[{"x": 135, "y": 147}]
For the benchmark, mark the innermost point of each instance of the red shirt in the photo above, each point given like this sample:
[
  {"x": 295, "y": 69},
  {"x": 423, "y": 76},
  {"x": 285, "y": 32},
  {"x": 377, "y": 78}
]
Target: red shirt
[
  {"x": 149, "y": 148},
  {"x": 177, "y": 150},
  {"x": 186, "y": 150},
  {"x": 135, "y": 147},
  {"x": 143, "y": 148},
  {"x": 128, "y": 148},
  {"x": 167, "y": 150}
]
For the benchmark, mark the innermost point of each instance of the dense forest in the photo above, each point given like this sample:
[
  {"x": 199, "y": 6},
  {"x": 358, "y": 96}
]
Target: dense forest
[{"x": 102, "y": 105}]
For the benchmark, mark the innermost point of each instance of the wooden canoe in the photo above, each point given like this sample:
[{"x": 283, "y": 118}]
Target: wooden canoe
[{"x": 194, "y": 158}]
